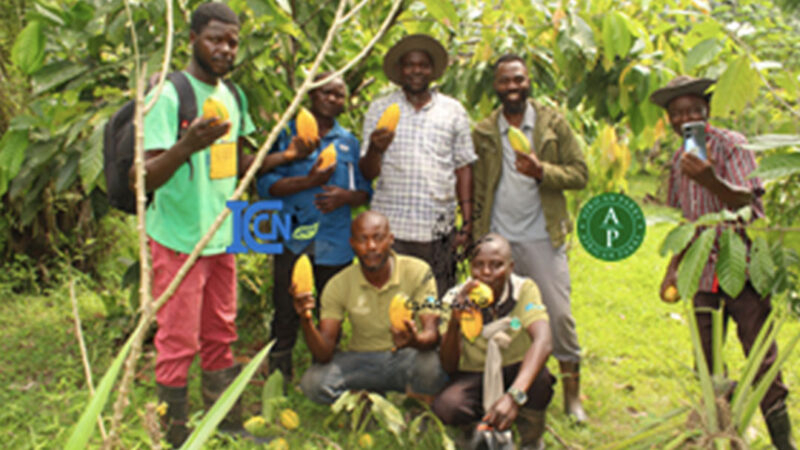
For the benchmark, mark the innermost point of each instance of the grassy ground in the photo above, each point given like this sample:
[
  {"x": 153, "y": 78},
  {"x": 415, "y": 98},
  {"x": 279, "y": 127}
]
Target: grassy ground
[{"x": 637, "y": 361}]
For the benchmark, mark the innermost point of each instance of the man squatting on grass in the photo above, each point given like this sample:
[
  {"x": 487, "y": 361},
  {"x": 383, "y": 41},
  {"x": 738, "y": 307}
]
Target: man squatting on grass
[
  {"x": 500, "y": 377},
  {"x": 701, "y": 186},
  {"x": 380, "y": 358},
  {"x": 188, "y": 194}
]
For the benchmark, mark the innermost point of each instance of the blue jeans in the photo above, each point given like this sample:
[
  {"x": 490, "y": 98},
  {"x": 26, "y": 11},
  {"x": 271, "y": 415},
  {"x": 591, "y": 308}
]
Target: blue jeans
[{"x": 374, "y": 371}]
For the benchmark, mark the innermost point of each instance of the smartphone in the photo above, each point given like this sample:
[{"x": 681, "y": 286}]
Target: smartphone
[{"x": 694, "y": 138}]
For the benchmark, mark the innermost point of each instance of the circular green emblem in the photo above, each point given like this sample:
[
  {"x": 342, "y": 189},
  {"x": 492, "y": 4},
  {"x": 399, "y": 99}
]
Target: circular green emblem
[{"x": 611, "y": 226}]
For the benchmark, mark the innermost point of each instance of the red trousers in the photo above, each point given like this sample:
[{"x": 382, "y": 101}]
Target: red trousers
[{"x": 199, "y": 317}]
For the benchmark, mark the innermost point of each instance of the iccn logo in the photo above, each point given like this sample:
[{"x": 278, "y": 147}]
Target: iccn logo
[{"x": 249, "y": 221}]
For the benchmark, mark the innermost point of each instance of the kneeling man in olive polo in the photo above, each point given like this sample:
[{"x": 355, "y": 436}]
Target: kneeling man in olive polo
[{"x": 379, "y": 358}]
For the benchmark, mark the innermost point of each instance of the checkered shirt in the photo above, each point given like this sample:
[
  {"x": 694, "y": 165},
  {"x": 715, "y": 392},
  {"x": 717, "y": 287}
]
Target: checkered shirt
[
  {"x": 416, "y": 189},
  {"x": 732, "y": 163}
]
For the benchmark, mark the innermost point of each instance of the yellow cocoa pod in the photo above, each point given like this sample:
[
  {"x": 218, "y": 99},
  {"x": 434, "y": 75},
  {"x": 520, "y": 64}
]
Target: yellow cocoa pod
[
  {"x": 481, "y": 295},
  {"x": 471, "y": 323},
  {"x": 213, "y": 108},
  {"x": 256, "y": 425},
  {"x": 399, "y": 312},
  {"x": 390, "y": 117},
  {"x": 278, "y": 444},
  {"x": 289, "y": 419},
  {"x": 307, "y": 125},
  {"x": 366, "y": 441},
  {"x": 328, "y": 157},
  {"x": 671, "y": 295},
  {"x": 303, "y": 277},
  {"x": 518, "y": 140}
]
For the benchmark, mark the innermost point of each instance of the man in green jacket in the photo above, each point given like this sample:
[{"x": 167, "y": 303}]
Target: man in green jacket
[{"x": 521, "y": 197}]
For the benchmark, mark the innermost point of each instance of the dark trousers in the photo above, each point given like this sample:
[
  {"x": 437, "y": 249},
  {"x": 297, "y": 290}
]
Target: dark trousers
[
  {"x": 439, "y": 254},
  {"x": 749, "y": 311},
  {"x": 461, "y": 401},
  {"x": 285, "y": 321}
]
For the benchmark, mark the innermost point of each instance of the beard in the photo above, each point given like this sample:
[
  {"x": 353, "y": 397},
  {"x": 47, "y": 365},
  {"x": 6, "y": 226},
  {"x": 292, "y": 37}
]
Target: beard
[
  {"x": 205, "y": 64},
  {"x": 515, "y": 106}
]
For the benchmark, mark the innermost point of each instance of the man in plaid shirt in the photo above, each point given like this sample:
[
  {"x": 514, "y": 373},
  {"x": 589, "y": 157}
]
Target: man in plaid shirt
[
  {"x": 700, "y": 186},
  {"x": 425, "y": 164}
]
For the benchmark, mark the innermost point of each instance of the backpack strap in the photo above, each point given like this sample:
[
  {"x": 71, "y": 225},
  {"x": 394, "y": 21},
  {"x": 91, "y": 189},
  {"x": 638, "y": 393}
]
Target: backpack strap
[
  {"x": 232, "y": 87},
  {"x": 187, "y": 106}
]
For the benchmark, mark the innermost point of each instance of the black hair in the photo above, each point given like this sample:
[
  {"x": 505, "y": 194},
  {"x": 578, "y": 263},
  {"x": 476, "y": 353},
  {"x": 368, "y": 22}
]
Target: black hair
[
  {"x": 508, "y": 57},
  {"x": 207, "y": 12}
]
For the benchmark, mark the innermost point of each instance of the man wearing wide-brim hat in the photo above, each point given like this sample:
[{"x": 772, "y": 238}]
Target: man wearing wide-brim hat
[
  {"x": 423, "y": 166},
  {"x": 706, "y": 182}
]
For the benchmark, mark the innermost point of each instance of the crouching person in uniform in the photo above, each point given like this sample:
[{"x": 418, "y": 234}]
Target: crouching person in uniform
[
  {"x": 499, "y": 378},
  {"x": 380, "y": 358}
]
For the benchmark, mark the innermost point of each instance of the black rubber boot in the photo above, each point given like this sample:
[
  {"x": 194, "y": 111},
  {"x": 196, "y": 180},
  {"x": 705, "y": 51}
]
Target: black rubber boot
[
  {"x": 214, "y": 384},
  {"x": 281, "y": 360},
  {"x": 780, "y": 428},
  {"x": 570, "y": 381},
  {"x": 531, "y": 425},
  {"x": 173, "y": 421}
]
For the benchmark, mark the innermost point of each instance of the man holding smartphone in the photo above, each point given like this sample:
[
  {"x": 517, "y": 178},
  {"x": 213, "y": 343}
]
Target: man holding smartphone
[{"x": 708, "y": 175}]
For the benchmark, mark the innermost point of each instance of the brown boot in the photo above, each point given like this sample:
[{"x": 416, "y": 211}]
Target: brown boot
[
  {"x": 780, "y": 428},
  {"x": 570, "y": 378},
  {"x": 173, "y": 422},
  {"x": 530, "y": 425}
]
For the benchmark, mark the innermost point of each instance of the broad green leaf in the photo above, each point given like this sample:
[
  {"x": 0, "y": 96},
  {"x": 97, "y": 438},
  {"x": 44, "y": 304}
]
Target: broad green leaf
[
  {"x": 91, "y": 164},
  {"x": 79, "y": 439},
  {"x": 616, "y": 36},
  {"x": 271, "y": 395},
  {"x": 55, "y": 74},
  {"x": 761, "y": 268},
  {"x": 205, "y": 429},
  {"x": 693, "y": 262},
  {"x": 777, "y": 166},
  {"x": 709, "y": 408},
  {"x": 737, "y": 87},
  {"x": 443, "y": 12},
  {"x": 770, "y": 141},
  {"x": 701, "y": 54},
  {"x": 677, "y": 239},
  {"x": 765, "y": 338},
  {"x": 67, "y": 173},
  {"x": 28, "y": 50},
  {"x": 387, "y": 414},
  {"x": 732, "y": 262},
  {"x": 12, "y": 153}
]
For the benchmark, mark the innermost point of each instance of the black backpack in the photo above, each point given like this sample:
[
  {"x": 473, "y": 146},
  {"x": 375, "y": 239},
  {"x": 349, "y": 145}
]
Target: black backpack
[{"x": 118, "y": 140}]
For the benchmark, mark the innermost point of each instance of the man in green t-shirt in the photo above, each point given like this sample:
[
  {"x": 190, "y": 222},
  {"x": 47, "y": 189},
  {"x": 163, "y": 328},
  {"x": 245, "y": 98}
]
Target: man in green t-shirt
[
  {"x": 192, "y": 175},
  {"x": 380, "y": 357},
  {"x": 499, "y": 377}
]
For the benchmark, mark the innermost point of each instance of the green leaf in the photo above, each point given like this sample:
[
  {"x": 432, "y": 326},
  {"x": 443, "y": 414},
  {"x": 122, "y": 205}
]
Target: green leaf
[
  {"x": 12, "y": 153},
  {"x": 443, "y": 12},
  {"x": 225, "y": 402},
  {"x": 762, "y": 268},
  {"x": 387, "y": 414},
  {"x": 28, "y": 50},
  {"x": 770, "y": 141},
  {"x": 616, "y": 36},
  {"x": 67, "y": 173},
  {"x": 91, "y": 164},
  {"x": 693, "y": 262},
  {"x": 677, "y": 239},
  {"x": 777, "y": 166},
  {"x": 732, "y": 262},
  {"x": 273, "y": 390},
  {"x": 737, "y": 87},
  {"x": 79, "y": 439},
  {"x": 55, "y": 74},
  {"x": 701, "y": 54}
]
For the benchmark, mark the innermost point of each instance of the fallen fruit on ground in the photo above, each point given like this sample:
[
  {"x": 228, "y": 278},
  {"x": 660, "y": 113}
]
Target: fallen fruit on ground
[
  {"x": 289, "y": 419},
  {"x": 366, "y": 441}
]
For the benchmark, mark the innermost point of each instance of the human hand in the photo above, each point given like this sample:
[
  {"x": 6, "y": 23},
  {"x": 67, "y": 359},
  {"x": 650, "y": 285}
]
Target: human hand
[
  {"x": 406, "y": 337},
  {"x": 528, "y": 164},
  {"x": 463, "y": 239},
  {"x": 300, "y": 149},
  {"x": 380, "y": 139},
  {"x": 204, "y": 132},
  {"x": 461, "y": 302},
  {"x": 303, "y": 302},
  {"x": 502, "y": 413},
  {"x": 319, "y": 177},
  {"x": 332, "y": 198},
  {"x": 699, "y": 170}
]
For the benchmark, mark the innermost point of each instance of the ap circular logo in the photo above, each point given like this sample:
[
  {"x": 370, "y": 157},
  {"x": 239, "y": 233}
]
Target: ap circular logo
[{"x": 611, "y": 226}]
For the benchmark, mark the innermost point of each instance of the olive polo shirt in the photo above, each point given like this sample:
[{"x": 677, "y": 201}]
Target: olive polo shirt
[{"x": 349, "y": 294}]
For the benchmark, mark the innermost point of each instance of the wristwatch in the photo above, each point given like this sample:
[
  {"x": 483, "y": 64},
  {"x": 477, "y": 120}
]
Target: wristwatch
[{"x": 519, "y": 397}]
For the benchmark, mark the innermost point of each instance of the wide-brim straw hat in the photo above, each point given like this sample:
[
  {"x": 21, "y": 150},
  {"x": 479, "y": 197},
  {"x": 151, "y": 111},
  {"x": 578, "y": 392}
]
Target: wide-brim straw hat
[
  {"x": 429, "y": 45},
  {"x": 682, "y": 85}
]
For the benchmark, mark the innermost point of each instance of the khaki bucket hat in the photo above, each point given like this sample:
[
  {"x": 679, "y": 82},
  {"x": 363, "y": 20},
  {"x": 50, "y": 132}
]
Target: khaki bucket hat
[
  {"x": 429, "y": 45},
  {"x": 682, "y": 85}
]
